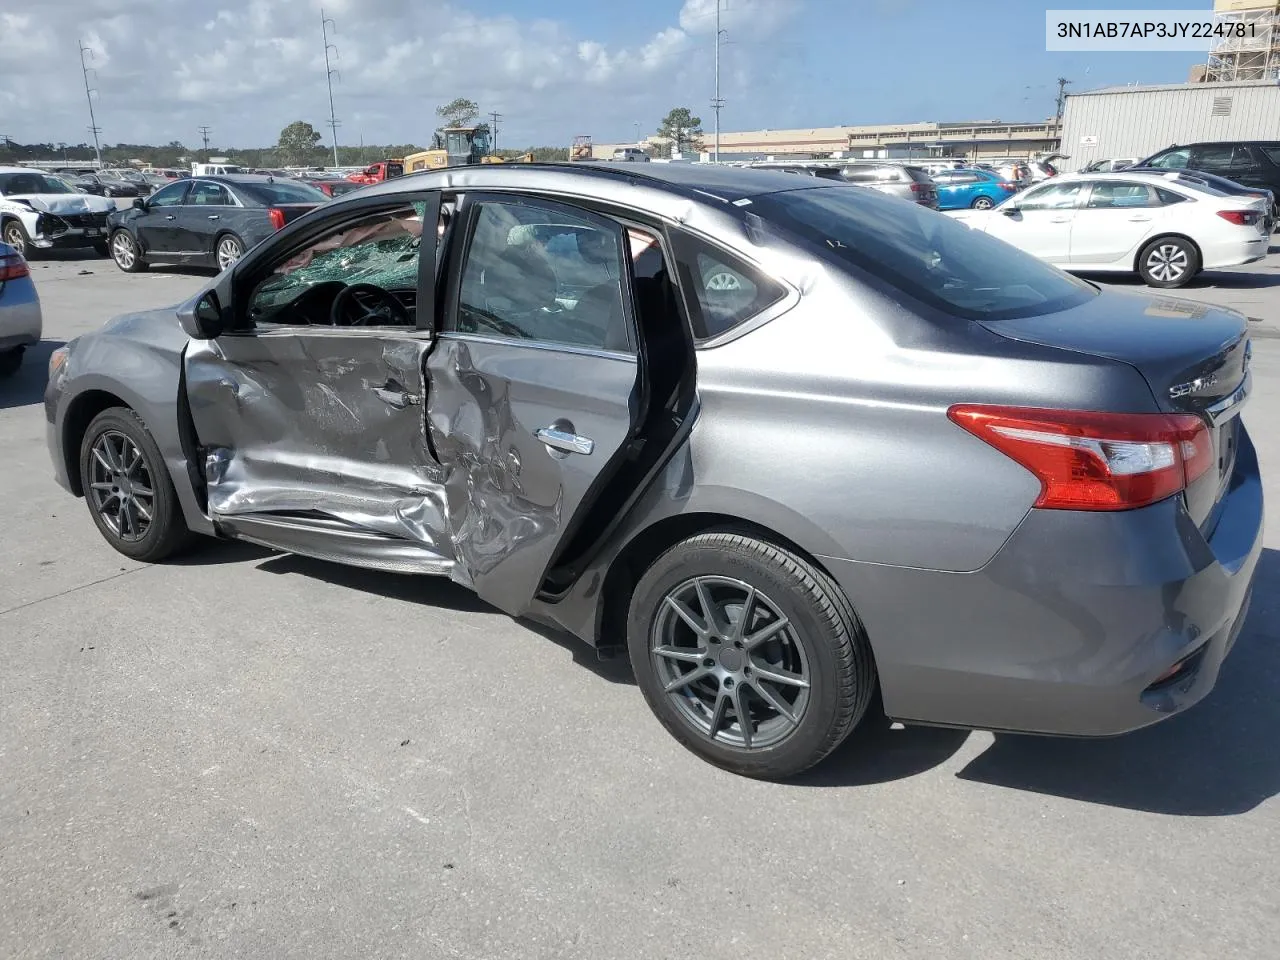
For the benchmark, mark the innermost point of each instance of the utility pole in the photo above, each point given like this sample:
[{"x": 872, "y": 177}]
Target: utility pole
[
  {"x": 1062, "y": 97},
  {"x": 204, "y": 135},
  {"x": 88, "y": 93},
  {"x": 496, "y": 116},
  {"x": 329, "y": 71},
  {"x": 636, "y": 124},
  {"x": 717, "y": 103}
]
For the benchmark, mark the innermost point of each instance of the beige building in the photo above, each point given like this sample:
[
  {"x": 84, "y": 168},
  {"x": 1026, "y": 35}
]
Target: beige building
[{"x": 974, "y": 140}]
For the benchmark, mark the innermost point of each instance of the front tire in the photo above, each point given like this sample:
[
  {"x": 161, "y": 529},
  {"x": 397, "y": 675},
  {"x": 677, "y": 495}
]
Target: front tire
[
  {"x": 15, "y": 235},
  {"x": 748, "y": 654},
  {"x": 127, "y": 487},
  {"x": 125, "y": 252},
  {"x": 1168, "y": 262}
]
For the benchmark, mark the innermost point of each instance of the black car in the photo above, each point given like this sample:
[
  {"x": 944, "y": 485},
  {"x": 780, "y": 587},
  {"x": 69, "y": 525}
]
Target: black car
[
  {"x": 102, "y": 185},
  {"x": 206, "y": 221},
  {"x": 1250, "y": 163}
]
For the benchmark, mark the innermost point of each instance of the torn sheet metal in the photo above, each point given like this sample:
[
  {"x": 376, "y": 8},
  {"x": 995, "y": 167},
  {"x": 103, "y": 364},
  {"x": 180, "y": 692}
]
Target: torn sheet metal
[{"x": 322, "y": 424}]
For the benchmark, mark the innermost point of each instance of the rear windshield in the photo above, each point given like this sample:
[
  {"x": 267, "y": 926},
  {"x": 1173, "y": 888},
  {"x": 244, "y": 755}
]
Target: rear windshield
[
  {"x": 918, "y": 175},
  {"x": 395, "y": 170},
  {"x": 283, "y": 191},
  {"x": 926, "y": 255}
]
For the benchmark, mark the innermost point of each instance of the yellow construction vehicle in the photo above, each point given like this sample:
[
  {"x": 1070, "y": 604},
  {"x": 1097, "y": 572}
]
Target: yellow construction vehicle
[{"x": 459, "y": 147}]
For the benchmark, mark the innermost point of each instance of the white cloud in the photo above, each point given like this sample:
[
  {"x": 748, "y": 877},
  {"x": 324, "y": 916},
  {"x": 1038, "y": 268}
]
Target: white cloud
[{"x": 249, "y": 67}]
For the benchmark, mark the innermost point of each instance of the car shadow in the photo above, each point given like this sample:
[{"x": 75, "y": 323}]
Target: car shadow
[
  {"x": 439, "y": 592},
  {"x": 27, "y": 385},
  {"x": 1209, "y": 280},
  {"x": 1217, "y": 759}
]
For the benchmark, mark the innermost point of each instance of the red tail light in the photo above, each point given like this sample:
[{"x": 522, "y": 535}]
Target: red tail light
[
  {"x": 277, "y": 218},
  {"x": 1242, "y": 218},
  {"x": 1007, "y": 186},
  {"x": 12, "y": 266},
  {"x": 920, "y": 187},
  {"x": 1095, "y": 461}
]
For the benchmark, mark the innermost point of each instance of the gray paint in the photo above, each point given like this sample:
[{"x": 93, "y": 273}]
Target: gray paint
[
  {"x": 1138, "y": 121},
  {"x": 825, "y": 425}
]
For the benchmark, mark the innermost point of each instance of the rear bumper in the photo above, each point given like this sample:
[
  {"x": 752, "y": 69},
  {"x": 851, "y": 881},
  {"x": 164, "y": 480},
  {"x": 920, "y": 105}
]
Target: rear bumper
[
  {"x": 1235, "y": 253},
  {"x": 1069, "y": 627},
  {"x": 20, "y": 321}
]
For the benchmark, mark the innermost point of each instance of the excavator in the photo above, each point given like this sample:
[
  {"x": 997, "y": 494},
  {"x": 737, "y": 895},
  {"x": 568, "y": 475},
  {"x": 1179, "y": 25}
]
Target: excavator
[{"x": 459, "y": 147}]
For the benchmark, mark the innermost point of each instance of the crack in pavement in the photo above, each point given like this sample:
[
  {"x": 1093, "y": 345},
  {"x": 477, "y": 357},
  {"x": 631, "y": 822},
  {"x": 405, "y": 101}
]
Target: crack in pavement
[{"x": 63, "y": 593}]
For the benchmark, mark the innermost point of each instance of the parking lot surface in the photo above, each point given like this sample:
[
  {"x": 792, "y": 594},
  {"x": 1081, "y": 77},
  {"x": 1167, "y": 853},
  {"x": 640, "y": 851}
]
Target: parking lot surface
[{"x": 247, "y": 754}]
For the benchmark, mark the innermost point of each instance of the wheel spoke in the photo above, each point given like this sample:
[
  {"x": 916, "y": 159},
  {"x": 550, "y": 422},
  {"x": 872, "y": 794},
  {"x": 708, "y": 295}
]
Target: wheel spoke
[
  {"x": 718, "y": 713},
  {"x": 766, "y": 632},
  {"x": 141, "y": 491},
  {"x": 743, "y": 714},
  {"x": 128, "y": 526},
  {"x": 683, "y": 654},
  {"x": 686, "y": 678},
  {"x": 103, "y": 459},
  {"x": 132, "y": 462},
  {"x": 778, "y": 675},
  {"x": 748, "y": 610},
  {"x": 780, "y": 706},
  {"x": 105, "y": 485},
  {"x": 714, "y": 624},
  {"x": 143, "y": 512},
  {"x": 688, "y": 616}
]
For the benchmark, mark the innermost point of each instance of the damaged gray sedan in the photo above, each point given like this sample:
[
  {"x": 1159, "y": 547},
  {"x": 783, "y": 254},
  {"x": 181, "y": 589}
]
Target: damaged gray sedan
[{"x": 792, "y": 444}]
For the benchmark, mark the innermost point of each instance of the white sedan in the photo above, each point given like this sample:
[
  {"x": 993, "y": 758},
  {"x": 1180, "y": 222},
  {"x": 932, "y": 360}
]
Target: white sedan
[
  {"x": 1166, "y": 228},
  {"x": 39, "y": 211}
]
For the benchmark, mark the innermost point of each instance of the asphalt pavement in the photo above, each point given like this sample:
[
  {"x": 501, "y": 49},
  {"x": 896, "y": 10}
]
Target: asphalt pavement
[{"x": 247, "y": 754}]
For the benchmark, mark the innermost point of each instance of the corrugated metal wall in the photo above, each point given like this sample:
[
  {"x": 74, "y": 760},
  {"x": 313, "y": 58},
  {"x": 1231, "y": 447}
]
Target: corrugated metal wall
[{"x": 1138, "y": 124}]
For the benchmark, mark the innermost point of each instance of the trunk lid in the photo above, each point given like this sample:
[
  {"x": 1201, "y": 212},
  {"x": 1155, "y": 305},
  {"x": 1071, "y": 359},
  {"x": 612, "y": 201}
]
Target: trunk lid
[{"x": 1194, "y": 357}]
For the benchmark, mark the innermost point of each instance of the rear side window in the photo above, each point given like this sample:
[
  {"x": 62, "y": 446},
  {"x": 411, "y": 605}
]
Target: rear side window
[
  {"x": 1272, "y": 153},
  {"x": 934, "y": 259},
  {"x": 721, "y": 291},
  {"x": 1168, "y": 196},
  {"x": 283, "y": 191}
]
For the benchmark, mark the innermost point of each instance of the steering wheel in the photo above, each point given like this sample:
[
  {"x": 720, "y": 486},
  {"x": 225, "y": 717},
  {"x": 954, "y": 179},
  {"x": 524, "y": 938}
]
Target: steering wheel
[{"x": 378, "y": 307}]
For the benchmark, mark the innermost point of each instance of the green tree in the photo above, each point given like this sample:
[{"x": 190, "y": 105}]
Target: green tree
[
  {"x": 459, "y": 112},
  {"x": 682, "y": 130},
  {"x": 297, "y": 141}
]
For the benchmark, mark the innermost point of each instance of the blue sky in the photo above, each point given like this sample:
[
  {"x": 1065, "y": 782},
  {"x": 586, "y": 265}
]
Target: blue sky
[{"x": 553, "y": 68}]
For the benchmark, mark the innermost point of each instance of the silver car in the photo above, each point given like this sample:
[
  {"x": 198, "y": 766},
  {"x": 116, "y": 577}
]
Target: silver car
[
  {"x": 20, "y": 320},
  {"x": 797, "y": 448},
  {"x": 896, "y": 179}
]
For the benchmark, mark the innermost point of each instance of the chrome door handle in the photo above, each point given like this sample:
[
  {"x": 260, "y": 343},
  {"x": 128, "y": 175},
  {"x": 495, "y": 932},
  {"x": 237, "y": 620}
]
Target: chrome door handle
[
  {"x": 395, "y": 398},
  {"x": 1059, "y": 219},
  {"x": 170, "y": 217},
  {"x": 1139, "y": 219},
  {"x": 214, "y": 216},
  {"x": 565, "y": 442}
]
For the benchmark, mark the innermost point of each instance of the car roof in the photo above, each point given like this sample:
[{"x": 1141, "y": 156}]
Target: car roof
[
  {"x": 248, "y": 179},
  {"x": 703, "y": 181}
]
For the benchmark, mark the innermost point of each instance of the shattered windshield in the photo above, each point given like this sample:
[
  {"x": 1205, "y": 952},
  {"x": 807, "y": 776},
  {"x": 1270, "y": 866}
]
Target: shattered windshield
[
  {"x": 14, "y": 184},
  {"x": 381, "y": 250}
]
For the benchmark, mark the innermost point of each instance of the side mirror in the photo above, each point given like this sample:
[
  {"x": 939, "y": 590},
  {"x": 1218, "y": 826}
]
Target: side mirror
[
  {"x": 139, "y": 203},
  {"x": 201, "y": 318},
  {"x": 1010, "y": 209}
]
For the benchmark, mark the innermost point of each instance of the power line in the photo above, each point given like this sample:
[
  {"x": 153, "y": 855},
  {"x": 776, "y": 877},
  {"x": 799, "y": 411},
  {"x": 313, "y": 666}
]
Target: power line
[
  {"x": 495, "y": 116},
  {"x": 88, "y": 93},
  {"x": 204, "y": 135},
  {"x": 329, "y": 71}
]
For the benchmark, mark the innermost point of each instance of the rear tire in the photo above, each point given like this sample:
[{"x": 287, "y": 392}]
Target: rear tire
[
  {"x": 10, "y": 361},
  {"x": 127, "y": 488},
  {"x": 781, "y": 641},
  {"x": 228, "y": 249},
  {"x": 982, "y": 203},
  {"x": 1168, "y": 262}
]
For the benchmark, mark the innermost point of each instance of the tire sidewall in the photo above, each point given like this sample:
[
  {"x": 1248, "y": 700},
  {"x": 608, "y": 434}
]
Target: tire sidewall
[
  {"x": 159, "y": 537},
  {"x": 217, "y": 244},
  {"x": 710, "y": 559},
  {"x": 1193, "y": 263}
]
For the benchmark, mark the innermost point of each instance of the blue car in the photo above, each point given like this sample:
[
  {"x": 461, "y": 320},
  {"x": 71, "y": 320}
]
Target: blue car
[{"x": 971, "y": 187}]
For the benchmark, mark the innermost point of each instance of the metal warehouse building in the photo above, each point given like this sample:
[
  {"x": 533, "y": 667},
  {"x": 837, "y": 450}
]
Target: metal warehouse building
[{"x": 1138, "y": 121}]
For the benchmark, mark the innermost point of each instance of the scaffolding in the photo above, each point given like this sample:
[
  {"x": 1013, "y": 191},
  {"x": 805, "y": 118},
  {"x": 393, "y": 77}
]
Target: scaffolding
[{"x": 1248, "y": 47}]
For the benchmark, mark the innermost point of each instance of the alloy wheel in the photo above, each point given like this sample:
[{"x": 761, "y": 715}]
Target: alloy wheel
[
  {"x": 1167, "y": 262},
  {"x": 123, "y": 250},
  {"x": 121, "y": 486},
  {"x": 730, "y": 661},
  {"x": 229, "y": 252},
  {"x": 983, "y": 203},
  {"x": 15, "y": 238}
]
